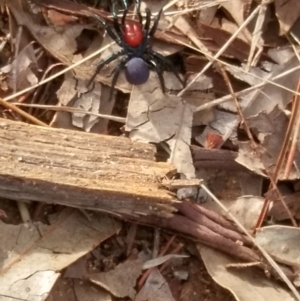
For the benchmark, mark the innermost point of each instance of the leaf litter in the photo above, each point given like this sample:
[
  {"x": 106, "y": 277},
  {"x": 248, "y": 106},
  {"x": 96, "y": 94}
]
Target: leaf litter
[
  {"x": 34, "y": 253},
  {"x": 173, "y": 123}
]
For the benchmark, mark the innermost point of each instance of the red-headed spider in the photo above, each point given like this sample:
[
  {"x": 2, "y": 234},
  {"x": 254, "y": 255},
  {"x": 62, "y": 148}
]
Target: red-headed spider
[{"x": 137, "y": 55}]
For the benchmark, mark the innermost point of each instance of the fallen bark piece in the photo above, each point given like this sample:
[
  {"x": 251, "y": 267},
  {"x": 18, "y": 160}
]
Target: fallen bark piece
[{"x": 83, "y": 170}]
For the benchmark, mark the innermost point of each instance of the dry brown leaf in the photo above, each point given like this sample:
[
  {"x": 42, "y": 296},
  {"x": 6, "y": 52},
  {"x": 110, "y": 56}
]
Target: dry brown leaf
[
  {"x": 199, "y": 285},
  {"x": 279, "y": 213},
  {"x": 120, "y": 281},
  {"x": 251, "y": 184},
  {"x": 77, "y": 290},
  {"x": 238, "y": 49},
  {"x": 78, "y": 269},
  {"x": 237, "y": 10},
  {"x": 288, "y": 12}
]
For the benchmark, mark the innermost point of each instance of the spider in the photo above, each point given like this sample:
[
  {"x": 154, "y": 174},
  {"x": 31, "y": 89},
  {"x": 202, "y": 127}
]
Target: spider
[{"x": 137, "y": 55}]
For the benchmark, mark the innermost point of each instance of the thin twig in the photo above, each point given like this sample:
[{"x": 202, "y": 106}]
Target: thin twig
[
  {"x": 294, "y": 146},
  {"x": 29, "y": 117},
  {"x": 71, "y": 110}
]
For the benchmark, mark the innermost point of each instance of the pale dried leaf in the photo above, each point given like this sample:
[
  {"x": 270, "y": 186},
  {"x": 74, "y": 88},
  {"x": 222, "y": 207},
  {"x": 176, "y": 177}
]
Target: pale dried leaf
[
  {"x": 247, "y": 158},
  {"x": 197, "y": 95},
  {"x": 205, "y": 116},
  {"x": 202, "y": 83},
  {"x": 160, "y": 260},
  {"x": 155, "y": 117},
  {"x": 120, "y": 281},
  {"x": 35, "y": 256},
  {"x": 67, "y": 91},
  {"x": 247, "y": 209},
  {"x": 181, "y": 155},
  {"x": 270, "y": 129},
  {"x": 246, "y": 284},
  {"x": 88, "y": 101},
  {"x": 281, "y": 242},
  {"x": 22, "y": 74}
]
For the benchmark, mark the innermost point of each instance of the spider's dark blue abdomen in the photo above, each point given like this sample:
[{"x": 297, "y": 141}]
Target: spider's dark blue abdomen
[{"x": 137, "y": 71}]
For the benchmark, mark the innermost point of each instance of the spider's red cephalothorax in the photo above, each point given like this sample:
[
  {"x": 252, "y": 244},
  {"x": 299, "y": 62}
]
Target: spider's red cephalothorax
[
  {"x": 134, "y": 39},
  {"x": 133, "y": 33}
]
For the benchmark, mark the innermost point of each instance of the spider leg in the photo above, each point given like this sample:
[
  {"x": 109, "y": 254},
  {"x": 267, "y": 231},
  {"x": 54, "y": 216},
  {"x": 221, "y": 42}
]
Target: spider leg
[
  {"x": 154, "y": 27},
  {"x": 125, "y": 4},
  {"x": 121, "y": 65},
  {"x": 159, "y": 73},
  {"x": 148, "y": 20},
  {"x": 109, "y": 31},
  {"x": 167, "y": 62},
  {"x": 138, "y": 10},
  {"x": 117, "y": 27},
  {"x": 138, "y": 4},
  {"x": 105, "y": 62}
]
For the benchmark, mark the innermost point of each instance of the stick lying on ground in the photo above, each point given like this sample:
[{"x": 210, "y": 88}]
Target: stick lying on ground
[{"x": 83, "y": 170}]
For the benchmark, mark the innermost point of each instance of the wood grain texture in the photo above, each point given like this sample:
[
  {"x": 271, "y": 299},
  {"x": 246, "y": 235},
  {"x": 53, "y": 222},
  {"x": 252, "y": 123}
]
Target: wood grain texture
[{"x": 82, "y": 170}]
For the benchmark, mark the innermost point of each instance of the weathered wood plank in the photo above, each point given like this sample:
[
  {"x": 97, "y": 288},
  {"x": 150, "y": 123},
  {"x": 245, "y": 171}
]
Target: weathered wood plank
[{"x": 81, "y": 170}]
